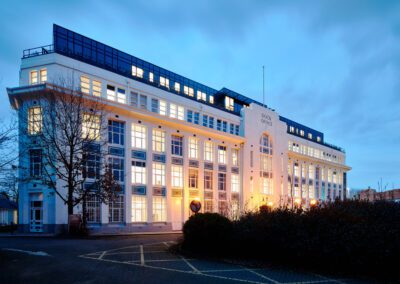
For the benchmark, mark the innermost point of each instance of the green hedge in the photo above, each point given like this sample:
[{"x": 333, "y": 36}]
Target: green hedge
[{"x": 350, "y": 236}]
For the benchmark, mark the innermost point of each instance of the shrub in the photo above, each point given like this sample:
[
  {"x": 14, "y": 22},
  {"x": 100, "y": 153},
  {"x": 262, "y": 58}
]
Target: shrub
[
  {"x": 208, "y": 232},
  {"x": 348, "y": 236}
]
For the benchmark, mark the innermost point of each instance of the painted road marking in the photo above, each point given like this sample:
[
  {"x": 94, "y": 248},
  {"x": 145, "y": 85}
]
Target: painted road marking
[
  {"x": 179, "y": 264},
  {"x": 36, "y": 253}
]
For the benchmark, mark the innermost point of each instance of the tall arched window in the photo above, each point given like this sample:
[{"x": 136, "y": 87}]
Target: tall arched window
[{"x": 266, "y": 164}]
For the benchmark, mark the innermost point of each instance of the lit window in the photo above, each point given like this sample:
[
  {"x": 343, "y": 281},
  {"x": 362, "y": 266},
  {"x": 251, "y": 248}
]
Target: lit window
[
  {"x": 158, "y": 174},
  {"x": 121, "y": 97},
  {"x": 176, "y": 176},
  {"x": 138, "y": 136},
  {"x": 208, "y": 180},
  {"x": 266, "y": 185},
  {"x": 177, "y": 87},
  {"x": 111, "y": 92},
  {"x": 91, "y": 127},
  {"x": 158, "y": 141},
  {"x": 291, "y": 129},
  {"x": 159, "y": 209},
  {"x": 173, "y": 110},
  {"x": 201, "y": 95},
  {"x": 235, "y": 183},
  {"x": 151, "y": 77},
  {"x": 208, "y": 206},
  {"x": 181, "y": 113},
  {"x": 33, "y": 77},
  {"x": 193, "y": 148},
  {"x": 163, "y": 108},
  {"x": 309, "y": 135},
  {"x": 139, "y": 208},
  {"x": 188, "y": 91},
  {"x": 116, "y": 210},
  {"x": 311, "y": 172},
  {"x": 96, "y": 88},
  {"x": 35, "y": 120},
  {"x": 211, "y": 99},
  {"x": 137, "y": 72},
  {"x": 229, "y": 103},
  {"x": 193, "y": 178},
  {"x": 235, "y": 157},
  {"x": 222, "y": 181},
  {"x": 221, "y": 154},
  {"x": 176, "y": 145},
  {"x": 208, "y": 151},
  {"x": 302, "y": 132},
  {"x": 164, "y": 82},
  {"x": 139, "y": 172},
  {"x": 319, "y": 139},
  {"x": 43, "y": 75}
]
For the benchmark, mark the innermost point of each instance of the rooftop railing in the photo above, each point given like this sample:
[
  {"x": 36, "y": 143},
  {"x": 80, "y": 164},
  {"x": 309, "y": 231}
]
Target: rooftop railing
[{"x": 41, "y": 50}]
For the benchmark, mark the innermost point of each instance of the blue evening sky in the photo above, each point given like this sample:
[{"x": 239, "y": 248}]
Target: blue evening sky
[{"x": 331, "y": 65}]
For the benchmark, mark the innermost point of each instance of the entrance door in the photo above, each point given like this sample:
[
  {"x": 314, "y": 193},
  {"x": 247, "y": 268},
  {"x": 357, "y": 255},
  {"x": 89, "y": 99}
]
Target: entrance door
[
  {"x": 36, "y": 216},
  {"x": 176, "y": 214}
]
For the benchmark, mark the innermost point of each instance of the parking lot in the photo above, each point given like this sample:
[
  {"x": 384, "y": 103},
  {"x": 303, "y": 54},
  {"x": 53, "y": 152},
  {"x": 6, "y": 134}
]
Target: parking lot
[{"x": 138, "y": 259}]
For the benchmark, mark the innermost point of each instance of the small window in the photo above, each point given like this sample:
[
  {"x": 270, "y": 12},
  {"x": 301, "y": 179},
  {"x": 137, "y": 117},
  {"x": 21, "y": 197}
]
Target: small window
[
  {"x": 35, "y": 120},
  {"x": 151, "y": 77},
  {"x": 211, "y": 99},
  {"x": 143, "y": 102},
  {"x": 134, "y": 99},
  {"x": 301, "y": 132},
  {"x": 177, "y": 87},
  {"x": 201, "y": 95},
  {"x": 155, "y": 105},
  {"x": 111, "y": 92},
  {"x": 85, "y": 85},
  {"x": 96, "y": 88},
  {"x": 163, "y": 108},
  {"x": 33, "y": 77},
  {"x": 309, "y": 135},
  {"x": 137, "y": 72},
  {"x": 43, "y": 75},
  {"x": 164, "y": 82},
  {"x": 121, "y": 97},
  {"x": 229, "y": 104}
]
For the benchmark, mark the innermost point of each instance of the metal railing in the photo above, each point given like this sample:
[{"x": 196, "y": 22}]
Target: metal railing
[{"x": 41, "y": 50}]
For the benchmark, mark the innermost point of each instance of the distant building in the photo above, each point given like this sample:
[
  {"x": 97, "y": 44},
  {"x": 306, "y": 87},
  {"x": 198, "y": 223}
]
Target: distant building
[
  {"x": 8, "y": 211},
  {"x": 372, "y": 195},
  {"x": 171, "y": 140}
]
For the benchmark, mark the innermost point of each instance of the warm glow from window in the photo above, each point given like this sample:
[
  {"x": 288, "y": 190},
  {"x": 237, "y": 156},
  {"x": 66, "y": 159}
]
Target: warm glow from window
[
  {"x": 176, "y": 176},
  {"x": 193, "y": 148},
  {"x": 201, "y": 95},
  {"x": 164, "y": 82},
  {"x": 158, "y": 141},
  {"x": 139, "y": 208},
  {"x": 91, "y": 127},
  {"x": 163, "y": 108},
  {"x": 35, "y": 120},
  {"x": 151, "y": 77},
  {"x": 138, "y": 136},
  {"x": 137, "y": 72},
  {"x": 208, "y": 151},
  {"x": 33, "y": 77},
  {"x": 96, "y": 88},
  {"x": 158, "y": 174},
  {"x": 43, "y": 75},
  {"x": 85, "y": 85},
  {"x": 177, "y": 87},
  {"x": 229, "y": 104},
  {"x": 211, "y": 99}
]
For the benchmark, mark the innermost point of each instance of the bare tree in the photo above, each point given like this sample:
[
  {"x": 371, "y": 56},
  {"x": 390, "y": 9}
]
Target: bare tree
[
  {"x": 70, "y": 130},
  {"x": 8, "y": 140}
]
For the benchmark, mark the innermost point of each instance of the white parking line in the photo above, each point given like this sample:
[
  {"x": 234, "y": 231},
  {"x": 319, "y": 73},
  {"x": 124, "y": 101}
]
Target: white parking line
[
  {"x": 141, "y": 256},
  {"x": 102, "y": 255},
  {"x": 36, "y": 253},
  {"x": 260, "y": 275}
]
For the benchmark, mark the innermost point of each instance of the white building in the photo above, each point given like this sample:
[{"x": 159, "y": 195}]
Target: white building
[{"x": 176, "y": 140}]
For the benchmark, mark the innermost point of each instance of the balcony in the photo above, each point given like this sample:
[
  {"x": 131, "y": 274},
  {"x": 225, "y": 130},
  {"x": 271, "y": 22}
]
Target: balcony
[{"x": 37, "y": 51}]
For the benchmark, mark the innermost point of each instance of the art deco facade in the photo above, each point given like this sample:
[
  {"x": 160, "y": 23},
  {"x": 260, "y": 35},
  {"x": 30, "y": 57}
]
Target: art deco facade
[{"x": 172, "y": 140}]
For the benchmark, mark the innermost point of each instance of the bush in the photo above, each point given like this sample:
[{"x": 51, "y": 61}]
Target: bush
[
  {"x": 208, "y": 232},
  {"x": 349, "y": 236}
]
